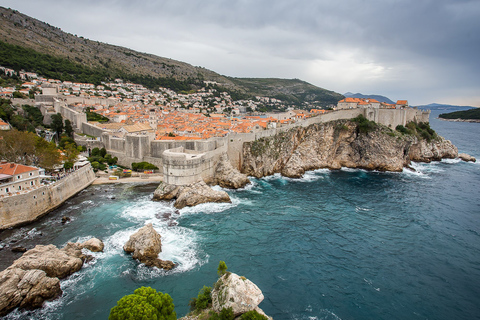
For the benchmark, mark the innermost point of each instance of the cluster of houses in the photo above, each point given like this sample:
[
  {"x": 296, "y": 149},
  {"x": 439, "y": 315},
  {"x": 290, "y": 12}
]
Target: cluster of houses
[{"x": 352, "y": 103}]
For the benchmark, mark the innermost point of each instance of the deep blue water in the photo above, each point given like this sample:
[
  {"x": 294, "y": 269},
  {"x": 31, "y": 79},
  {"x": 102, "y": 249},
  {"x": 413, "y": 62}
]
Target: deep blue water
[{"x": 345, "y": 244}]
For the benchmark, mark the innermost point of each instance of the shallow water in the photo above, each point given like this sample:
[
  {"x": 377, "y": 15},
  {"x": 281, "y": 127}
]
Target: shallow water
[{"x": 346, "y": 244}]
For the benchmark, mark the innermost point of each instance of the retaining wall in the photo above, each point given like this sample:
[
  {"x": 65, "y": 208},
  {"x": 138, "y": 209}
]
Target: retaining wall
[{"x": 26, "y": 207}]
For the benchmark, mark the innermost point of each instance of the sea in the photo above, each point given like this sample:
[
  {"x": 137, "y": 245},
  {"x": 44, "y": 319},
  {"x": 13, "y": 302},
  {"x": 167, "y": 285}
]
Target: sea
[{"x": 344, "y": 244}]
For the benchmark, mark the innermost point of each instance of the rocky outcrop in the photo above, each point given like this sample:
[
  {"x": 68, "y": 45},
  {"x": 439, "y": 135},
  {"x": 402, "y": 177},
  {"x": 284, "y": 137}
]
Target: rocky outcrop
[
  {"x": 145, "y": 245},
  {"x": 34, "y": 277},
  {"x": 339, "y": 144},
  {"x": 466, "y": 157},
  {"x": 93, "y": 244},
  {"x": 226, "y": 176},
  {"x": 58, "y": 263},
  {"x": 236, "y": 292},
  {"x": 189, "y": 195},
  {"x": 26, "y": 289}
]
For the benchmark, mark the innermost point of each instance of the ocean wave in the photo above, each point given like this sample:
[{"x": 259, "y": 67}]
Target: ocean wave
[
  {"x": 457, "y": 160},
  {"x": 211, "y": 207}
]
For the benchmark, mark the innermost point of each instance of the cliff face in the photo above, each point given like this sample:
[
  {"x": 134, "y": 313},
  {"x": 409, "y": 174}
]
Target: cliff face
[{"x": 339, "y": 144}]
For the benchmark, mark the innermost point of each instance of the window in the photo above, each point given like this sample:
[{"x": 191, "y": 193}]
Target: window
[
  {"x": 31, "y": 183},
  {"x": 7, "y": 190},
  {"x": 30, "y": 174},
  {"x": 18, "y": 177},
  {"x": 19, "y": 187}
]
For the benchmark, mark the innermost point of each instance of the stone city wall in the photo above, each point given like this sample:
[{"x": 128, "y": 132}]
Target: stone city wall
[
  {"x": 138, "y": 148},
  {"x": 26, "y": 207}
]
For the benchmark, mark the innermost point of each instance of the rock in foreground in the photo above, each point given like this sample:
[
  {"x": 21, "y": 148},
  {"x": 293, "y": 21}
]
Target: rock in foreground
[
  {"x": 34, "y": 277},
  {"x": 189, "y": 195},
  {"x": 236, "y": 292},
  {"x": 26, "y": 289},
  {"x": 145, "y": 245}
]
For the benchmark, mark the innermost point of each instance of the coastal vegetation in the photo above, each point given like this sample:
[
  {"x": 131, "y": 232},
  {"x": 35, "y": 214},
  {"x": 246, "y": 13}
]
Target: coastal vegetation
[
  {"x": 145, "y": 303},
  {"x": 365, "y": 125},
  {"x": 470, "y": 114},
  {"x": 422, "y": 130}
]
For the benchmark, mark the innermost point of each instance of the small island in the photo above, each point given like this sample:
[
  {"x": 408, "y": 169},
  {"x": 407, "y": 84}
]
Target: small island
[{"x": 470, "y": 115}]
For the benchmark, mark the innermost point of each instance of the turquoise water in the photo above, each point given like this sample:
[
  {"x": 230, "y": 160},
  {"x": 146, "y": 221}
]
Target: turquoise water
[{"x": 345, "y": 244}]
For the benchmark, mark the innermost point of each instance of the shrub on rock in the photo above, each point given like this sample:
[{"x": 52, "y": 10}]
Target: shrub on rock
[{"x": 145, "y": 304}]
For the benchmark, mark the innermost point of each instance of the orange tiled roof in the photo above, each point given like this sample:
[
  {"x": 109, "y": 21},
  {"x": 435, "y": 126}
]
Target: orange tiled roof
[{"x": 14, "y": 168}]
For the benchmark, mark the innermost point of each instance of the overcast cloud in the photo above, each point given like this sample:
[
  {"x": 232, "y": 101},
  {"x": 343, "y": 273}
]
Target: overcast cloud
[{"x": 421, "y": 50}]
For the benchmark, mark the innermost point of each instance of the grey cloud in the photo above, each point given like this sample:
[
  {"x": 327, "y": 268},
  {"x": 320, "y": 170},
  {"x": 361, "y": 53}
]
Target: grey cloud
[{"x": 427, "y": 43}]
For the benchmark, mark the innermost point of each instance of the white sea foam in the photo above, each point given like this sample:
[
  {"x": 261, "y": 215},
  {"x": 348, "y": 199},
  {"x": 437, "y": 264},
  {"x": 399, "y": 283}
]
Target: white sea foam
[
  {"x": 457, "y": 160},
  {"x": 360, "y": 209},
  {"x": 209, "y": 208}
]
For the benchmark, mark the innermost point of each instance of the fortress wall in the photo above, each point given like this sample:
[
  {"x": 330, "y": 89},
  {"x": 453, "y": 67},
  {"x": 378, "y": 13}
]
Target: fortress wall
[
  {"x": 181, "y": 166},
  {"x": 92, "y": 130},
  {"x": 27, "y": 207},
  {"x": 21, "y": 102},
  {"x": 77, "y": 118}
]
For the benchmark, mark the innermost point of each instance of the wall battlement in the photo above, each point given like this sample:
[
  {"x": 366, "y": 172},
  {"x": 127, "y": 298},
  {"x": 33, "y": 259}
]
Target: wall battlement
[{"x": 184, "y": 169}]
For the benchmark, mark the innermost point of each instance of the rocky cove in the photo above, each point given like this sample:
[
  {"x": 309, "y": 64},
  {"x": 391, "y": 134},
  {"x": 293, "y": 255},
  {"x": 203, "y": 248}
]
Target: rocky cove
[
  {"x": 357, "y": 143},
  {"x": 333, "y": 145}
]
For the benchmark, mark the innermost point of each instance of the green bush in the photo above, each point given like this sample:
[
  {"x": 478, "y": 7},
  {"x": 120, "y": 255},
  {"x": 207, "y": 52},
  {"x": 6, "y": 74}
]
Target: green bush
[
  {"x": 364, "y": 125},
  {"x": 203, "y": 300},
  {"x": 145, "y": 303},
  {"x": 140, "y": 166},
  {"x": 222, "y": 268},
  {"x": 95, "y": 152},
  {"x": 225, "y": 314},
  {"x": 253, "y": 315},
  {"x": 68, "y": 165}
]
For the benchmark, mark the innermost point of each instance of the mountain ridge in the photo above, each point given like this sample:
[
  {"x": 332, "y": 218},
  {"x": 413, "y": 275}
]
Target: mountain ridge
[
  {"x": 377, "y": 97},
  {"x": 24, "y": 31}
]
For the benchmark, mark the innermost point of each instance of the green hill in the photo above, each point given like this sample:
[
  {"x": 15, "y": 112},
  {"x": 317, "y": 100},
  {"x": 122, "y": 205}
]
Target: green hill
[
  {"x": 57, "y": 54},
  {"x": 471, "y": 114}
]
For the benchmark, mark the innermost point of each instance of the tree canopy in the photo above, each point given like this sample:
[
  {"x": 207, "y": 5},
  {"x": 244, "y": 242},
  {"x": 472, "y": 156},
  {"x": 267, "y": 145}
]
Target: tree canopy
[
  {"x": 29, "y": 149},
  {"x": 144, "y": 304}
]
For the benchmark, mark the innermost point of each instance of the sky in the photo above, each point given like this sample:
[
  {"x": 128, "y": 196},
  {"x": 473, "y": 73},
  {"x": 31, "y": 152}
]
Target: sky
[{"x": 423, "y": 51}]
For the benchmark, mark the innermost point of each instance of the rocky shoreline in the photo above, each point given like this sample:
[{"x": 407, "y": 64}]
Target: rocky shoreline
[
  {"x": 338, "y": 144},
  {"x": 35, "y": 276}
]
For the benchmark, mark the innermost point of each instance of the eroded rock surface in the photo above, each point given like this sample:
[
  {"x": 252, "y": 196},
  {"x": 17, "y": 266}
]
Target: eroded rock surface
[
  {"x": 26, "y": 289},
  {"x": 34, "y": 277},
  {"x": 339, "y": 144},
  {"x": 226, "y": 176},
  {"x": 236, "y": 292},
  {"x": 145, "y": 246},
  {"x": 466, "y": 157},
  {"x": 189, "y": 195}
]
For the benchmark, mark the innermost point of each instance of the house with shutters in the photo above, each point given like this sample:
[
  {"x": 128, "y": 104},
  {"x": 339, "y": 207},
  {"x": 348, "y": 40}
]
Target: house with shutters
[{"x": 17, "y": 178}]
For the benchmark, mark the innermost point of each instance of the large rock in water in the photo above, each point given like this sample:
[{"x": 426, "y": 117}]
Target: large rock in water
[
  {"x": 145, "y": 245},
  {"x": 189, "y": 195},
  {"x": 34, "y": 277},
  {"x": 26, "y": 289},
  {"x": 466, "y": 157},
  {"x": 55, "y": 262},
  {"x": 239, "y": 293},
  {"x": 226, "y": 176}
]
